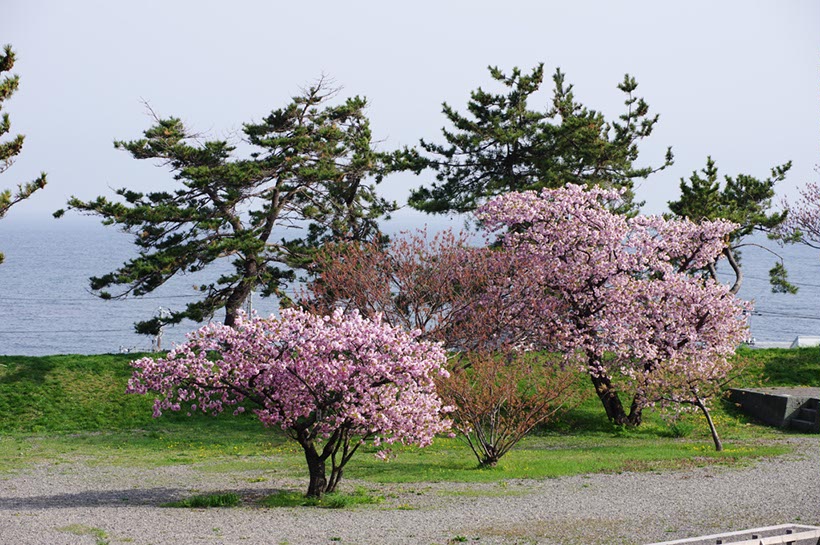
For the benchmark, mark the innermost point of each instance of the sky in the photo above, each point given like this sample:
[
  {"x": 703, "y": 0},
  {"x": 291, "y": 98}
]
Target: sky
[{"x": 737, "y": 80}]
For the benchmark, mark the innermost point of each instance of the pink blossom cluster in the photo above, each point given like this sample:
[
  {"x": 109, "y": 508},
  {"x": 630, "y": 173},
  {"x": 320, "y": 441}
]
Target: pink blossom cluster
[
  {"x": 311, "y": 375},
  {"x": 592, "y": 243},
  {"x": 680, "y": 336}
]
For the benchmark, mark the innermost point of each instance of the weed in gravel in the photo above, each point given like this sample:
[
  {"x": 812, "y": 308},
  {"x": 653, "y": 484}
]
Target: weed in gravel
[
  {"x": 100, "y": 535},
  {"x": 228, "y": 499},
  {"x": 334, "y": 500}
]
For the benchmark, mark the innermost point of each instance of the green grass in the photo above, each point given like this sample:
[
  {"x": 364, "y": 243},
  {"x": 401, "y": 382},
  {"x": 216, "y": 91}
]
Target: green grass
[
  {"x": 228, "y": 499},
  {"x": 62, "y": 409},
  {"x": 778, "y": 367},
  {"x": 335, "y": 500},
  {"x": 213, "y": 445},
  {"x": 69, "y": 393},
  {"x": 542, "y": 457}
]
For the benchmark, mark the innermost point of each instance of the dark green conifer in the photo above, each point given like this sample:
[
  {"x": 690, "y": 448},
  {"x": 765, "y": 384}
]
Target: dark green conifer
[
  {"x": 308, "y": 168},
  {"x": 11, "y": 148},
  {"x": 503, "y": 144}
]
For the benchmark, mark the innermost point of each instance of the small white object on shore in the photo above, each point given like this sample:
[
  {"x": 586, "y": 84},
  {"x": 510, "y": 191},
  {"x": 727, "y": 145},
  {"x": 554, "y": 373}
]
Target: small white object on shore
[{"x": 801, "y": 341}]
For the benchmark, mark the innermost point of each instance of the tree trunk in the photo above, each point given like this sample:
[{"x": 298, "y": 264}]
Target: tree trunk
[
  {"x": 316, "y": 467},
  {"x": 610, "y": 400},
  {"x": 489, "y": 461},
  {"x": 715, "y": 437},
  {"x": 335, "y": 477},
  {"x": 635, "y": 412},
  {"x": 240, "y": 293},
  {"x": 730, "y": 258}
]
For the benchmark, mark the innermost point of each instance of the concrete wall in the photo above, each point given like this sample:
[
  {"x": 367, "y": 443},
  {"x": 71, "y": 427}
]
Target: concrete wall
[{"x": 775, "y": 410}]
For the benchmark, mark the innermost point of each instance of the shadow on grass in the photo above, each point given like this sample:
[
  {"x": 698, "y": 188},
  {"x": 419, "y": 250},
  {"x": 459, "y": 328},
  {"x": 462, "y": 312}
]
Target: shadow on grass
[
  {"x": 586, "y": 418},
  {"x": 21, "y": 370},
  {"x": 153, "y": 497}
]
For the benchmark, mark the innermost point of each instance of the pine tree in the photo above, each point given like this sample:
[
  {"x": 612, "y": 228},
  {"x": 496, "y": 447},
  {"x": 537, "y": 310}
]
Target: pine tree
[
  {"x": 744, "y": 200},
  {"x": 308, "y": 168},
  {"x": 502, "y": 144},
  {"x": 11, "y": 148}
]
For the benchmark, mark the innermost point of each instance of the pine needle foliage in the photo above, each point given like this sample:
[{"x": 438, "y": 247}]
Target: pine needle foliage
[
  {"x": 308, "y": 168},
  {"x": 503, "y": 143},
  {"x": 10, "y": 149}
]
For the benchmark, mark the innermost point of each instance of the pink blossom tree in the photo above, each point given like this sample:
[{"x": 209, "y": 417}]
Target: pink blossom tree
[
  {"x": 612, "y": 287},
  {"x": 624, "y": 297},
  {"x": 330, "y": 382},
  {"x": 803, "y": 220},
  {"x": 411, "y": 282}
]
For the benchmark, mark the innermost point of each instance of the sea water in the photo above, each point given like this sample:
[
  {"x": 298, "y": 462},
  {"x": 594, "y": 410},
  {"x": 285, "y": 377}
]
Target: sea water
[{"x": 46, "y": 306}]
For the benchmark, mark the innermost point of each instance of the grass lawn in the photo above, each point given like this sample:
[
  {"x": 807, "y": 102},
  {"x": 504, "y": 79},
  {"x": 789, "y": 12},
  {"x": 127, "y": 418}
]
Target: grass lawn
[
  {"x": 64, "y": 408},
  {"x": 779, "y": 367}
]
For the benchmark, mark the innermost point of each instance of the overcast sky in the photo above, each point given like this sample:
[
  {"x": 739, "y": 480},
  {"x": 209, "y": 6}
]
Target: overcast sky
[{"x": 737, "y": 80}]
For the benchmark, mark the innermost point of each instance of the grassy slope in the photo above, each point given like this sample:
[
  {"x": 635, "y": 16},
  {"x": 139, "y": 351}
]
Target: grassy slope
[
  {"x": 46, "y": 404},
  {"x": 779, "y": 367},
  {"x": 69, "y": 393},
  {"x": 87, "y": 393}
]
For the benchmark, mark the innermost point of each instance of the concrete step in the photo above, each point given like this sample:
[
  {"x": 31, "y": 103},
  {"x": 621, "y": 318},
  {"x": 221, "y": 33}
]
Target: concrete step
[
  {"x": 807, "y": 414},
  {"x": 810, "y": 426}
]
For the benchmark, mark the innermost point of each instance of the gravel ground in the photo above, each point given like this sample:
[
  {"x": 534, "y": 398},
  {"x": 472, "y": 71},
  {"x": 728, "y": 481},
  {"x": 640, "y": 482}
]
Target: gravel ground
[{"x": 75, "y": 503}]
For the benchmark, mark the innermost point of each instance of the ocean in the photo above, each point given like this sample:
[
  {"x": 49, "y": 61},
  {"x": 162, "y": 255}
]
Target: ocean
[{"x": 46, "y": 306}]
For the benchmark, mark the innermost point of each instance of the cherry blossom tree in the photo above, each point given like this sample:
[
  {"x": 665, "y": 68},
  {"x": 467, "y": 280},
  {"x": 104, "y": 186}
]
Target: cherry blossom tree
[
  {"x": 625, "y": 297},
  {"x": 803, "y": 220},
  {"x": 410, "y": 282},
  {"x": 330, "y": 382},
  {"x": 611, "y": 288}
]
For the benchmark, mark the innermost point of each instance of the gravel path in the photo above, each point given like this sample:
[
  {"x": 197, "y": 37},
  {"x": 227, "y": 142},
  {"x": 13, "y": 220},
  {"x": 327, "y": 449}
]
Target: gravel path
[{"x": 78, "y": 504}]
